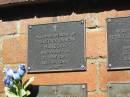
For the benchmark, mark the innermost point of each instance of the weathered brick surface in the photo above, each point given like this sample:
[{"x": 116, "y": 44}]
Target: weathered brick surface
[
  {"x": 34, "y": 21},
  {"x": 103, "y": 77},
  {"x": 96, "y": 44},
  {"x": 88, "y": 77},
  {"x": 15, "y": 49},
  {"x": 8, "y": 28},
  {"x": 91, "y": 94},
  {"x": 1, "y": 81},
  {"x": 90, "y": 19},
  {"x": 123, "y": 13},
  {"x": 102, "y": 16}
]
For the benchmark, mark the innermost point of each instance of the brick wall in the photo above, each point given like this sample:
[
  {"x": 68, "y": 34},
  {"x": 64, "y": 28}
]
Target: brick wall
[{"x": 13, "y": 41}]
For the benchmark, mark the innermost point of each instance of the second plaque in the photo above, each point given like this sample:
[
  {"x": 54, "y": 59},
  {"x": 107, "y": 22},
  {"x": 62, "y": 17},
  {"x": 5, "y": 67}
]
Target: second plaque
[{"x": 118, "y": 35}]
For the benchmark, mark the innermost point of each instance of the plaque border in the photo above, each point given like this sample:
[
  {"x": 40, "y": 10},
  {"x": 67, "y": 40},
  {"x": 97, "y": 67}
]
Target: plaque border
[
  {"x": 109, "y": 68},
  {"x": 65, "y": 84},
  {"x": 59, "y": 70}
]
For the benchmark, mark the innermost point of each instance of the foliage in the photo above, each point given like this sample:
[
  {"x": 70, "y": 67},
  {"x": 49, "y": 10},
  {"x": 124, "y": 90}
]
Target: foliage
[{"x": 14, "y": 86}]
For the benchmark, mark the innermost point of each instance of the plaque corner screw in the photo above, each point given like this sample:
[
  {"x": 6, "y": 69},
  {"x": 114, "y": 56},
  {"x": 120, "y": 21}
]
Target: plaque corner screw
[
  {"x": 110, "y": 87},
  {"x": 30, "y": 27},
  {"x": 109, "y": 65},
  {"x": 82, "y": 22},
  {"x": 29, "y": 68},
  {"x": 109, "y": 20},
  {"x": 83, "y": 86},
  {"x": 82, "y": 67}
]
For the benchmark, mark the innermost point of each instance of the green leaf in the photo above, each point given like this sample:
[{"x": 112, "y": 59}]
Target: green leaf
[
  {"x": 11, "y": 95},
  {"x": 28, "y": 82},
  {"x": 13, "y": 90},
  {"x": 22, "y": 92},
  {"x": 28, "y": 92},
  {"x": 6, "y": 89},
  {"x": 8, "y": 93},
  {"x": 15, "y": 86}
]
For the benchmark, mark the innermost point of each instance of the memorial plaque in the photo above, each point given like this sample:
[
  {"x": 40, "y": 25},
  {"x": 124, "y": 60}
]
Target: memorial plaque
[
  {"x": 118, "y": 35},
  {"x": 119, "y": 90},
  {"x": 59, "y": 91},
  {"x": 56, "y": 47}
]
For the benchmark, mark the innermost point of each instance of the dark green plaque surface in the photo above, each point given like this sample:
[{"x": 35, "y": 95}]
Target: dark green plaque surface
[
  {"x": 119, "y": 90},
  {"x": 79, "y": 90},
  {"x": 56, "y": 47},
  {"x": 118, "y": 36}
]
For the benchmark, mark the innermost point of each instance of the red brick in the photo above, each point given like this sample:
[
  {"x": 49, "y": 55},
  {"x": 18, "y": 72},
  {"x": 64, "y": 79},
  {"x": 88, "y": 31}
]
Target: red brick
[
  {"x": 123, "y": 13},
  {"x": 8, "y": 28},
  {"x": 103, "y": 76},
  {"x": 91, "y": 94},
  {"x": 112, "y": 76},
  {"x": 119, "y": 76},
  {"x": 102, "y": 16},
  {"x": 35, "y": 21},
  {"x": 90, "y": 19},
  {"x": 14, "y": 49},
  {"x": 96, "y": 44},
  {"x": 88, "y": 77},
  {"x": 1, "y": 81}
]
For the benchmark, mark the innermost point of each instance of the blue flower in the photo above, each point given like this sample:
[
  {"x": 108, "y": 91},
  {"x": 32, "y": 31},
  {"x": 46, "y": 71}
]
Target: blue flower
[
  {"x": 8, "y": 81},
  {"x": 9, "y": 72},
  {"x": 22, "y": 66},
  {"x": 16, "y": 75},
  {"x": 21, "y": 72}
]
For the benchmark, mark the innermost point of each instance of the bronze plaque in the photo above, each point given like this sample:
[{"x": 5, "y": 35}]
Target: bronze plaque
[
  {"x": 119, "y": 90},
  {"x": 56, "y": 47},
  {"x": 59, "y": 91},
  {"x": 118, "y": 36}
]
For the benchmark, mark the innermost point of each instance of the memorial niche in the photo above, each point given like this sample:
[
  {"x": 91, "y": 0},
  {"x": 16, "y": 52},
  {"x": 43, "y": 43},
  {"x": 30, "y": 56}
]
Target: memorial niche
[
  {"x": 118, "y": 36},
  {"x": 56, "y": 47}
]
